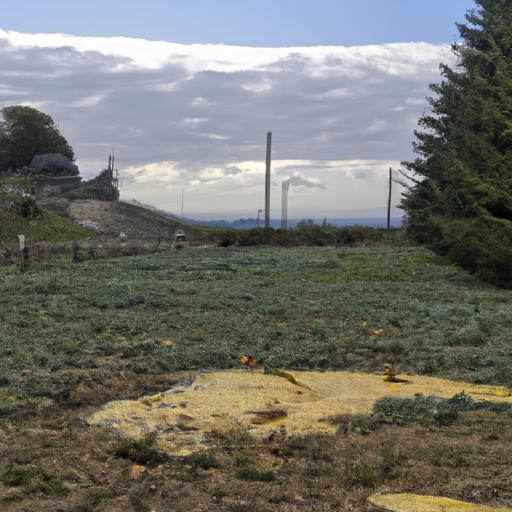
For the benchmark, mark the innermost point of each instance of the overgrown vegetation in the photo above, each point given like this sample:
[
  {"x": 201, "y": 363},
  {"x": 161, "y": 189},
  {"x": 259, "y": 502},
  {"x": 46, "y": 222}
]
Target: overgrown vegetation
[
  {"x": 461, "y": 201},
  {"x": 290, "y": 308},
  {"x": 31, "y": 479},
  {"x": 305, "y": 234},
  {"x": 431, "y": 410},
  {"x": 143, "y": 451},
  {"x": 76, "y": 336}
]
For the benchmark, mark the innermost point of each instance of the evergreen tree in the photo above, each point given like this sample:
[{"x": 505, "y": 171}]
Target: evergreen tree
[{"x": 461, "y": 203}]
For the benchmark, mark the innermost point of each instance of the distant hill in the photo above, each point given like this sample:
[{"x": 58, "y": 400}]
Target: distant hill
[{"x": 250, "y": 223}]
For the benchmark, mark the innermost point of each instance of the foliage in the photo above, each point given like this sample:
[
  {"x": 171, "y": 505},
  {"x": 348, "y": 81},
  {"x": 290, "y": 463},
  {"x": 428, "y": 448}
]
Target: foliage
[
  {"x": 143, "y": 451},
  {"x": 428, "y": 410},
  {"x": 31, "y": 478},
  {"x": 431, "y": 410},
  {"x": 304, "y": 234},
  {"x": 360, "y": 423},
  {"x": 255, "y": 475},
  {"x": 101, "y": 188},
  {"x": 462, "y": 204},
  {"x": 26, "y": 132},
  {"x": 308, "y": 308},
  {"x": 21, "y": 205}
]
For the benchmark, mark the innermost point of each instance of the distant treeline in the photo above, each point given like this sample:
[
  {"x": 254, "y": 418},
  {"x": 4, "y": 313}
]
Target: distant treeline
[
  {"x": 252, "y": 223},
  {"x": 306, "y": 234}
]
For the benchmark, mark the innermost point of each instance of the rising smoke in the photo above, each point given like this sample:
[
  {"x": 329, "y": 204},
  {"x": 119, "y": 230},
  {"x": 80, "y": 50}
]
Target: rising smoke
[{"x": 299, "y": 182}]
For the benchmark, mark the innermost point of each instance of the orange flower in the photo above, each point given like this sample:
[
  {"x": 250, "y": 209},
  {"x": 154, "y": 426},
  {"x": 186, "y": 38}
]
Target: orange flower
[{"x": 253, "y": 363}]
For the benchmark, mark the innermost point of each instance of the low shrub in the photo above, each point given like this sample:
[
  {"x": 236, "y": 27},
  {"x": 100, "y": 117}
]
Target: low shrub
[
  {"x": 255, "y": 475},
  {"x": 431, "y": 410},
  {"x": 31, "y": 478},
  {"x": 142, "y": 451}
]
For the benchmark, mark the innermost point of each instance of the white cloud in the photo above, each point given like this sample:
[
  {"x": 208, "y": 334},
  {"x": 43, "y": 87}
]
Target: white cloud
[
  {"x": 394, "y": 58},
  {"x": 166, "y": 172},
  {"x": 197, "y": 115}
]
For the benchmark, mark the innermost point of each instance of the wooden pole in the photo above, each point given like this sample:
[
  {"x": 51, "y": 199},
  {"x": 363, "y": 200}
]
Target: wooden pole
[
  {"x": 24, "y": 254},
  {"x": 389, "y": 196},
  {"x": 267, "y": 179},
  {"x": 75, "y": 252}
]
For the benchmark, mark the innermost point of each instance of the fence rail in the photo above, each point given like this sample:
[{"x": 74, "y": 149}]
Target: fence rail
[{"x": 81, "y": 250}]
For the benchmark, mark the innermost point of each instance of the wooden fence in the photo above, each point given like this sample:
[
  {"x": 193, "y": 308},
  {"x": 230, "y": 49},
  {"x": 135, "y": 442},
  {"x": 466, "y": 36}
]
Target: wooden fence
[{"x": 81, "y": 250}]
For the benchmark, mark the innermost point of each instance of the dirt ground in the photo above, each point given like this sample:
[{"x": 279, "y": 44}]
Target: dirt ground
[{"x": 58, "y": 463}]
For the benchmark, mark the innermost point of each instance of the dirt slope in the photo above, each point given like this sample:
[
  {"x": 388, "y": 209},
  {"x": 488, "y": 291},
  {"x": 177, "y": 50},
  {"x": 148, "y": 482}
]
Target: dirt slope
[{"x": 113, "y": 218}]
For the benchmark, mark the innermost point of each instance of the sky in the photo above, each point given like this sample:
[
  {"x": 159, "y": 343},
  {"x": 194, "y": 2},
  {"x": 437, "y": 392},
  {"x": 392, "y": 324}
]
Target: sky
[{"x": 186, "y": 91}]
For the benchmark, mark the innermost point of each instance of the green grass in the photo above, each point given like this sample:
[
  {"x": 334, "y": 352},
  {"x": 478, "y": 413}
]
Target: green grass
[
  {"x": 62, "y": 324},
  {"x": 45, "y": 227}
]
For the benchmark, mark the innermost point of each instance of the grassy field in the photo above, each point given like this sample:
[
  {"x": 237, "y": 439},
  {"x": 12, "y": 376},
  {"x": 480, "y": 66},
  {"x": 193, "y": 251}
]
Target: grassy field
[{"x": 75, "y": 336}]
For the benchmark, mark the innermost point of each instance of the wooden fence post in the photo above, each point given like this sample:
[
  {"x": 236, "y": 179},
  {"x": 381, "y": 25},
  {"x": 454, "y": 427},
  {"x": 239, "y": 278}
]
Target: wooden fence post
[
  {"x": 24, "y": 253},
  {"x": 75, "y": 251}
]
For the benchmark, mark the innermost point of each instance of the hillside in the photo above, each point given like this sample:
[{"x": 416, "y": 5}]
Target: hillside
[
  {"x": 112, "y": 218},
  {"x": 61, "y": 220},
  {"x": 45, "y": 227},
  {"x": 118, "y": 217}
]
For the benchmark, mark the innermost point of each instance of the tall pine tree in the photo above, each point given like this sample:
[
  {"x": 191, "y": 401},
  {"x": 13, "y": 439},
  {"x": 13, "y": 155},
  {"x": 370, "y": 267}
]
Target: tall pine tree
[{"x": 461, "y": 205}]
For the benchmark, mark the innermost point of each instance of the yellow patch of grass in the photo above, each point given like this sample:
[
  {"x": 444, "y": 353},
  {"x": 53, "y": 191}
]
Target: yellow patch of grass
[
  {"x": 223, "y": 400},
  {"x": 413, "y": 503}
]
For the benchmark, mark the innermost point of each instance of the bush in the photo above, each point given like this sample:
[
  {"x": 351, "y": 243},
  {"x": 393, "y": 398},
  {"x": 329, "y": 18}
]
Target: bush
[
  {"x": 484, "y": 248},
  {"x": 420, "y": 409},
  {"x": 142, "y": 451},
  {"x": 303, "y": 234},
  {"x": 431, "y": 410},
  {"x": 32, "y": 478}
]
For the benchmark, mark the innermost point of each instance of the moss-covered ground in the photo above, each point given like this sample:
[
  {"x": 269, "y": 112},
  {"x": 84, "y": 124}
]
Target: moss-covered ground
[{"x": 74, "y": 336}]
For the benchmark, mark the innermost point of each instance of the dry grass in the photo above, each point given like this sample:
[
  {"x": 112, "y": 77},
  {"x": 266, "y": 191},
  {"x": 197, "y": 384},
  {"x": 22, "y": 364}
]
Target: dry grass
[{"x": 466, "y": 460}]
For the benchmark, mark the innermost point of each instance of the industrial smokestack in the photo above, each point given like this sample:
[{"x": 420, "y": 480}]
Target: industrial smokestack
[
  {"x": 296, "y": 181},
  {"x": 285, "y": 187},
  {"x": 267, "y": 179}
]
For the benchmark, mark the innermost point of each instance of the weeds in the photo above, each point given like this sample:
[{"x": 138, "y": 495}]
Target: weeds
[
  {"x": 203, "y": 460},
  {"x": 255, "y": 475},
  {"x": 32, "y": 479},
  {"x": 431, "y": 410},
  {"x": 143, "y": 451}
]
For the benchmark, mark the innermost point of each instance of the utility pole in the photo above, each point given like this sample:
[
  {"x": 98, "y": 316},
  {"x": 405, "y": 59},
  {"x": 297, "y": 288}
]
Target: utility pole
[
  {"x": 267, "y": 179},
  {"x": 389, "y": 196}
]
